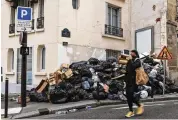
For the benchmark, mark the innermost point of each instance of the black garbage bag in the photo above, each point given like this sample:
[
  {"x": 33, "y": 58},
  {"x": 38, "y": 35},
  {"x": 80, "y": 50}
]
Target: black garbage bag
[
  {"x": 113, "y": 96},
  {"x": 38, "y": 97},
  {"x": 82, "y": 94},
  {"x": 111, "y": 60},
  {"x": 98, "y": 68},
  {"x": 75, "y": 65},
  {"x": 85, "y": 73},
  {"x": 93, "y": 61},
  {"x": 90, "y": 96},
  {"x": 115, "y": 86},
  {"x": 58, "y": 93},
  {"x": 59, "y": 96},
  {"x": 75, "y": 79},
  {"x": 173, "y": 88},
  {"x": 106, "y": 65},
  {"x": 75, "y": 98},
  {"x": 101, "y": 96}
]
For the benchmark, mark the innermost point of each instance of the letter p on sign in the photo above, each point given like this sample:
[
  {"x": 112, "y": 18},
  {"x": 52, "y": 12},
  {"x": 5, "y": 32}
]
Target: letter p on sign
[{"x": 23, "y": 13}]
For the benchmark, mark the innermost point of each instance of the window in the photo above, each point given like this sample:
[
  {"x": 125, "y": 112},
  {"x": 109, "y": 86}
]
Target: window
[
  {"x": 112, "y": 53},
  {"x": 29, "y": 71},
  {"x": 75, "y": 4},
  {"x": 43, "y": 54},
  {"x": 41, "y": 9},
  {"x": 113, "y": 21},
  {"x": 10, "y": 62},
  {"x": 12, "y": 21},
  {"x": 114, "y": 16},
  {"x": 41, "y": 58}
]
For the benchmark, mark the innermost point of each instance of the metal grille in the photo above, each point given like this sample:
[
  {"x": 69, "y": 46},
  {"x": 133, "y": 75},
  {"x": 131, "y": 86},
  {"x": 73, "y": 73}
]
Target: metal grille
[
  {"x": 11, "y": 28},
  {"x": 40, "y": 23},
  {"x": 112, "y": 53},
  {"x": 111, "y": 30}
]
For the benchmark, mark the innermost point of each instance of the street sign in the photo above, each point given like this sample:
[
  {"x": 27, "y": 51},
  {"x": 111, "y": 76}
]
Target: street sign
[
  {"x": 164, "y": 54},
  {"x": 24, "y": 19},
  {"x": 24, "y": 50}
]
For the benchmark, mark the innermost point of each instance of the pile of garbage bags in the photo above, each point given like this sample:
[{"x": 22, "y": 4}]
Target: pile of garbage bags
[{"x": 95, "y": 79}]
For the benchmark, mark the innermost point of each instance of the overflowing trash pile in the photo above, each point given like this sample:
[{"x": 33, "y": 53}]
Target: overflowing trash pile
[{"x": 95, "y": 79}]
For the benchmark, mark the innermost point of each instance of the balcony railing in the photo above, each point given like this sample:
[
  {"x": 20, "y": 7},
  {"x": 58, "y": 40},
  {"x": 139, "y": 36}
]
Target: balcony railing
[
  {"x": 112, "y": 30},
  {"x": 11, "y": 28},
  {"x": 40, "y": 23}
]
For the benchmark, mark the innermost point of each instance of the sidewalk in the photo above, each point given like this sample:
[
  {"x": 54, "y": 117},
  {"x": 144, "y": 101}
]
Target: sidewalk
[{"x": 37, "y": 109}]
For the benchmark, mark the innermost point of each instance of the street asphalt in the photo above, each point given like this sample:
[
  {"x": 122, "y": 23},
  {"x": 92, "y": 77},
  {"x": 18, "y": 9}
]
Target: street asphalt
[{"x": 153, "y": 110}]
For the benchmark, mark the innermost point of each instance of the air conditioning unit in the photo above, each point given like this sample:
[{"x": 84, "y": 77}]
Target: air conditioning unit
[{"x": 34, "y": 1}]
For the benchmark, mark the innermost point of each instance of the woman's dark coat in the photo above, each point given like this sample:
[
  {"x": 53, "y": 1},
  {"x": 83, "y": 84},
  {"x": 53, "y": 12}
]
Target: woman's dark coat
[{"x": 130, "y": 77}]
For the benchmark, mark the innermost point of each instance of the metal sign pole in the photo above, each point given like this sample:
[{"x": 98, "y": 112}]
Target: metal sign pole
[
  {"x": 164, "y": 65},
  {"x": 24, "y": 67}
]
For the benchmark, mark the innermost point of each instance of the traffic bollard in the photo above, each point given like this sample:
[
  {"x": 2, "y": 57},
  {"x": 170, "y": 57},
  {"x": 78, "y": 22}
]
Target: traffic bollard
[{"x": 6, "y": 98}]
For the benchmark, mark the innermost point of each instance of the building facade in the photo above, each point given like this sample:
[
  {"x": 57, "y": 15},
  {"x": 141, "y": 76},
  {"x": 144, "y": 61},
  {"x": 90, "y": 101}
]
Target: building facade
[{"x": 64, "y": 31}]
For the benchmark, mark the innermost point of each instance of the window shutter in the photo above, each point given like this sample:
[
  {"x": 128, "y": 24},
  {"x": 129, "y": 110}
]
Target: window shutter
[
  {"x": 106, "y": 9},
  {"x": 119, "y": 17}
]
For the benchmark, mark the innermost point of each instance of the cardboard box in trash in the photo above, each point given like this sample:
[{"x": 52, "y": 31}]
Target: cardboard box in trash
[
  {"x": 43, "y": 84},
  {"x": 68, "y": 73},
  {"x": 123, "y": 59},
  {"x": 64, "y": 66},
  {"x": 19, "y": 100}
]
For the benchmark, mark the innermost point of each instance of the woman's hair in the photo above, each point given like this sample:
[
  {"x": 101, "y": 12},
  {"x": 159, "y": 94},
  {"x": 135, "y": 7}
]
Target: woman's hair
[{"x": 136, "y": 53}]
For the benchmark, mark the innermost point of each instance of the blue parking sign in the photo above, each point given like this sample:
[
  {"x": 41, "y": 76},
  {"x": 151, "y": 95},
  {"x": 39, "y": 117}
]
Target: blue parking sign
[{"x": 24, "y": 13}]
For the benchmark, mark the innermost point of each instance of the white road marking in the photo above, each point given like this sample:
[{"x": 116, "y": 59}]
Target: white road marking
[
  {"x": 154, "y": 102},
  {"x": 12, "y": 110},
  {"x": 176, "y": 103},
  {"x": 136, "y": 106}
]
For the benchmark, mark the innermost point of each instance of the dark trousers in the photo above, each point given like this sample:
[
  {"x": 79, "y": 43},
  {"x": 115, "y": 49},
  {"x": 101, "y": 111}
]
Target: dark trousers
[{"x": 130, "y": 96}]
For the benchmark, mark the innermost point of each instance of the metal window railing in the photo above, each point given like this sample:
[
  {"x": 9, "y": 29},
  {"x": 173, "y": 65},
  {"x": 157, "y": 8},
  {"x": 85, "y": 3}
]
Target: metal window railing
[
  {"x": 40, "y": 23},
  {"x": 112, "y": 30},
  {"x": 11, "y": 28}
]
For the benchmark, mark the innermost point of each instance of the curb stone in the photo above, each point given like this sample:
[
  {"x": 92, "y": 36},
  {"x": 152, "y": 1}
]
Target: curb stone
[{"x": 46, "y": 111}]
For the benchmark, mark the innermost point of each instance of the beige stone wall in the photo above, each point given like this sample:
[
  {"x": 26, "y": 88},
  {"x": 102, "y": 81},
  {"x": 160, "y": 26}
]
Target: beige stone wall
[
  {"x": 143, "y": 15},
  {"x": 172, "y": 38},
  {"x": 87, "y": 23}
]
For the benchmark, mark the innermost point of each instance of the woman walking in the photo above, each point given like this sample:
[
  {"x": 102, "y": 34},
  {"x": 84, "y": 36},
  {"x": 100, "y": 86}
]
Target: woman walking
[{"x": 131, "y": 85}]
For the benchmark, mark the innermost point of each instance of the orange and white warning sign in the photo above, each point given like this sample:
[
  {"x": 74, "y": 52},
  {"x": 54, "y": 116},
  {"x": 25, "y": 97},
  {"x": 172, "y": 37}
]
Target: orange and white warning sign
[{"x": 164, "y": 54}]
